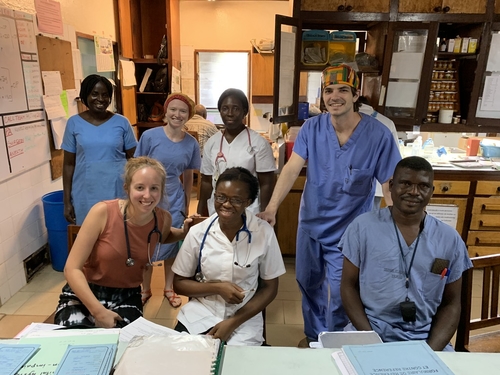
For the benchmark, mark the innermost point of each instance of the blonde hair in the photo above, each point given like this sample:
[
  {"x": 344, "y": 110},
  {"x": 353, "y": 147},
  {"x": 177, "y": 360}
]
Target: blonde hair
[{"x": 135, "y": 164}]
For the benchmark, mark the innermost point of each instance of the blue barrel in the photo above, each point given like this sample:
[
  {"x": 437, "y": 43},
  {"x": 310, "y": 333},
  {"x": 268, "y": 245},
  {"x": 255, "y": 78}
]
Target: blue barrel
[{"x": 57, "y": 228}]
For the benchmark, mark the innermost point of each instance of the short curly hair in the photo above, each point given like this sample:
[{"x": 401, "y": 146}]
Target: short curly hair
[{"x": 243, "y": 175}]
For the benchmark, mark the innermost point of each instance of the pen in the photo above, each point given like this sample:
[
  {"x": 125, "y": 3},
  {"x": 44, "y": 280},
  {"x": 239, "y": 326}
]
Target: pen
[
  {"x": 184, "y": 215},
  {"x": 444, "y": 273}
]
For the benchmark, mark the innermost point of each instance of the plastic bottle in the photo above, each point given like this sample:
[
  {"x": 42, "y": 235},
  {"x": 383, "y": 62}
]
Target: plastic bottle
[
  {"x": 428, "y": 146},
  {"x": 416, "y": 149}
]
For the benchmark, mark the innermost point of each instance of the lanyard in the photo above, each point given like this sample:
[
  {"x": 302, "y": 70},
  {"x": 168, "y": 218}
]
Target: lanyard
[{"x": 408, "y": 270}]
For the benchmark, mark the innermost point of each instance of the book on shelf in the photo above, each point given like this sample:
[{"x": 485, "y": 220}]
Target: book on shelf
[
  {"x": 404, "y": 357},
  {"x": 145, "y": 79}
]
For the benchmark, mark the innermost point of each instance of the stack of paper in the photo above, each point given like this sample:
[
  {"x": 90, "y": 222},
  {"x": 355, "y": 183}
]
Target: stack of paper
[
  {"x": 54, "y": 346},
  {"x": 407, "y": 357},
  {"x": 180, "y": 354},
  {"x": 13, "y": 357}
]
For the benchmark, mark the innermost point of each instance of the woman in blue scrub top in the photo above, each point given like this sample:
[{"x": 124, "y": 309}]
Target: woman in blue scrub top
[
  {"x": 179, "y": 153},
  {"x": 96, "y": 144}
]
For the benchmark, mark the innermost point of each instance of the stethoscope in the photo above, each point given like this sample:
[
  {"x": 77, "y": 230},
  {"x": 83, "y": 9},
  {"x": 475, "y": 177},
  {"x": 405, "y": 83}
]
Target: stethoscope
[
  {"x": 222, "y": 158},
  {"x": 199, "y": 276},
  {"x": 130, "y": 262}
]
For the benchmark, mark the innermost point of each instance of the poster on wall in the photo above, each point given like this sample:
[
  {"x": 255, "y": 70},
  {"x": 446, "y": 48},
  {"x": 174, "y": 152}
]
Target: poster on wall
[
  {"x": 24, "y": 142},
  {"x": 48, "y": 13},
  {"x": 104, "y": 56}
]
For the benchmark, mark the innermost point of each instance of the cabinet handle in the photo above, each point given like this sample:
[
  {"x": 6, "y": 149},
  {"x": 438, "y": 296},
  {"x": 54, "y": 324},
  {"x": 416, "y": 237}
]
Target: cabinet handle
[
  {"x": 446, "y": 9},
  {"x": 498, "y": 189},
  {"x": 340, "y": 8},
  {"x": 438, "y": 9},
  {"x": 491, "y": 207},
  {"x": 444, "y": 189},
  {"x": 348, "y": 8}
]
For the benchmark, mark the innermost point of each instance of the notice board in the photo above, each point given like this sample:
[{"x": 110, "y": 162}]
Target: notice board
[
  {"x": 55, "y": 55},
  {"x": 24, "y": 139}
]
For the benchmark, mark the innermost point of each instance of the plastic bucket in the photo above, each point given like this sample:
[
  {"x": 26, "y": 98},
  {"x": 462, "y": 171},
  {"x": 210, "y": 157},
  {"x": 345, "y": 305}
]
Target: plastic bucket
[{"x": 57, "y": 228}]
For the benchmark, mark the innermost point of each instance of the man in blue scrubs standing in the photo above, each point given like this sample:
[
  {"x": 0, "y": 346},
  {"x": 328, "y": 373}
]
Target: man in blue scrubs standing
[{"x": 345, "y": 151}]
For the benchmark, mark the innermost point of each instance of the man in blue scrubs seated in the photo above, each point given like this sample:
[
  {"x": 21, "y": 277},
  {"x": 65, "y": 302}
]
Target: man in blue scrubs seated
[
  {"x": 345, "y": 151},
  {"x": 403, "y": 268}
]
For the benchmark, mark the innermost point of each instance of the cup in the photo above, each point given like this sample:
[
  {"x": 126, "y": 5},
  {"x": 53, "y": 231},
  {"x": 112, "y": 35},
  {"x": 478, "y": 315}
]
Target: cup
[{"x": 445, "y": 116}]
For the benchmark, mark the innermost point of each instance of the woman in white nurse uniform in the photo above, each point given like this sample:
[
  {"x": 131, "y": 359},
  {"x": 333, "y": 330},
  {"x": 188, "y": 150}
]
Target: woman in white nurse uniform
[{"x": 229, "y": 265}]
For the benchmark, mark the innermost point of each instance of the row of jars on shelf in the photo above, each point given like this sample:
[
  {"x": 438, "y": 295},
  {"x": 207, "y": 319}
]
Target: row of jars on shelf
[
  {"x": 450, "y": 86},
  {"x": 436, "y": 106},
  {"x": 436, "y": 74},
  {"x": 438, "y": 95},
  {"x": 443, "y": 64}
]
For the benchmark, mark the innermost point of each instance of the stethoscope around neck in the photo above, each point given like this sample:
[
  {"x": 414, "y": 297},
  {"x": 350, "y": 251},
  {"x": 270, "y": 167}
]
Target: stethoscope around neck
[
  {"x": 130, "y": 262},
  {"x": 222, "y": 158},
  {"x": 199, "y": 276}
]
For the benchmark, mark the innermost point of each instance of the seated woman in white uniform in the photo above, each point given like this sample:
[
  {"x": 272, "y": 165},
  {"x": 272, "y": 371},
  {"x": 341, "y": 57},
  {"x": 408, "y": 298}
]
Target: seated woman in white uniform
[{"x": 229, "y": 264}]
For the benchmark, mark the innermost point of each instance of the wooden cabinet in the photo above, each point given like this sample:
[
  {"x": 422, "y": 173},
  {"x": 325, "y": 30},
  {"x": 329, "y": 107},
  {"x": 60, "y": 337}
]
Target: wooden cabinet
[
  {"x": 394, "y": 89},
  {"x": 365, "y": 6},
  {"x": 262, "y": 76},
  {"x": 287, "y": 218},
  {"x": 484, "y": 236},
  {"x": 443, "y": 6},
  {"x": 474, "y": 193},
  {"x": 142, "y": 24}
]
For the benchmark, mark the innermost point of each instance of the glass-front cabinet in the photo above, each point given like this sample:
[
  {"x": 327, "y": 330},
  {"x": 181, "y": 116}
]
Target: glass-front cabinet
[
  {"x": 487, "y": 108},
  {"x": 409, "y": 53}
]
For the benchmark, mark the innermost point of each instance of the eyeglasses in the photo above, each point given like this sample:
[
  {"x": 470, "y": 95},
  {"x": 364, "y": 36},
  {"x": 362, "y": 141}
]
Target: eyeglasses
[{"x": 236, "y": 202}]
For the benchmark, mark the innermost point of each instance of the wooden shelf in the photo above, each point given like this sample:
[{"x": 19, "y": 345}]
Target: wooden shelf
[
  {"x": 453, "y": 54},
  {"x": 150, "y": 61}
]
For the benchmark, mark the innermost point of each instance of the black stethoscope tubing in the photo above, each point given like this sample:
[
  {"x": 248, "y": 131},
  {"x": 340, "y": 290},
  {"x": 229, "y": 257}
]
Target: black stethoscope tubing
[
  {"x": 130, "y": 262},
  {"x": 198, "y": 274}
]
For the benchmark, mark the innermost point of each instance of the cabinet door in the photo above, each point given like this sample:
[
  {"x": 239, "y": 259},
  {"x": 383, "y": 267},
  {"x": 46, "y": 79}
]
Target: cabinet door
[
  {"x": 485, "y": 108},
  {"x": 464, "y": 6},
  {"x": 420, "y": 6},
  {"x": 125, "y": 16},
  {"x": 262, "y": 74},
  {"x": 406, "y": 78},
  {"x": 287, "y": 218},
  {"x": 287, "y": 37},
  {"x": 497, "y": 6},
  {"x": 443, "y": 6},
  {"x": 361, "y": 6}
]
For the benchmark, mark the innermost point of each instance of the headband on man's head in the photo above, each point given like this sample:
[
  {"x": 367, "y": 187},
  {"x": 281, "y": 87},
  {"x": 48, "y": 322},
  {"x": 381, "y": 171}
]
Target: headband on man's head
[
  {"x": 339, "y": 74},
  {"x": 183, "y": 98}
]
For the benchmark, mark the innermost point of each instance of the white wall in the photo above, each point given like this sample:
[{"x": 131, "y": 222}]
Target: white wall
[
  {"x": 22, "y": 225},
  {"x": 229, "y": 25},
  {"x": 94, "y": 17}
]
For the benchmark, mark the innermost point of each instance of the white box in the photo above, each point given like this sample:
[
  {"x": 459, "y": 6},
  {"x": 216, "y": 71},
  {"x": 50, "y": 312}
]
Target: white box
[
  {"x": 465, "y": 45},
  {"x": 451, "y": 45}
]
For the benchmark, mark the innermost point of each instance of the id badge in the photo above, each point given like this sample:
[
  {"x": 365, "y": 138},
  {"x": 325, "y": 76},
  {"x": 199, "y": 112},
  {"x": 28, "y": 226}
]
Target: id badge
[{"x": 408, "y": 311}]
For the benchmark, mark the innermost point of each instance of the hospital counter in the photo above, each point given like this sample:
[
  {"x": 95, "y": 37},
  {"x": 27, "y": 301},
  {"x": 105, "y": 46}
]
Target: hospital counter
[{"x": 475, "y": 192}]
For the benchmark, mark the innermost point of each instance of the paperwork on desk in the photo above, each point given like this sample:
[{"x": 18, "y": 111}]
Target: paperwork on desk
[
  {"x": 53, "y": 346},
  {"x": 177, "y": 354},
  {"x": 13, "y": 357},
  {"x": 410, "y": 357},
  {"x": 340, "y": 338},
  {"x": 87, "y": 360}
]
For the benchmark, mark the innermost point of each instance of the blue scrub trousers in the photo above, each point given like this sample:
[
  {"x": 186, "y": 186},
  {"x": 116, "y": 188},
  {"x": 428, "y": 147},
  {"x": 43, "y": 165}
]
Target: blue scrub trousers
[{"x": 318, "y": 272}]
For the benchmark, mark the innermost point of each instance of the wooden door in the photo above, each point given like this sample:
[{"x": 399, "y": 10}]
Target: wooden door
[
  {"x": 443, "y": 6},
  {"x": 262, "y": 74}
]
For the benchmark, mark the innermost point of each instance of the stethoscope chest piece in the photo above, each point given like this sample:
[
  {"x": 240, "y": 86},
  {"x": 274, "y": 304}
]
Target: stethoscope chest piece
[
  {"x": 130, "y": 262},
  {"x": 199, "y": 276}
]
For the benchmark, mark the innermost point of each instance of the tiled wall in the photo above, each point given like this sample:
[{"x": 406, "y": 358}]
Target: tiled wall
[{"x": 22, "y": 225}]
